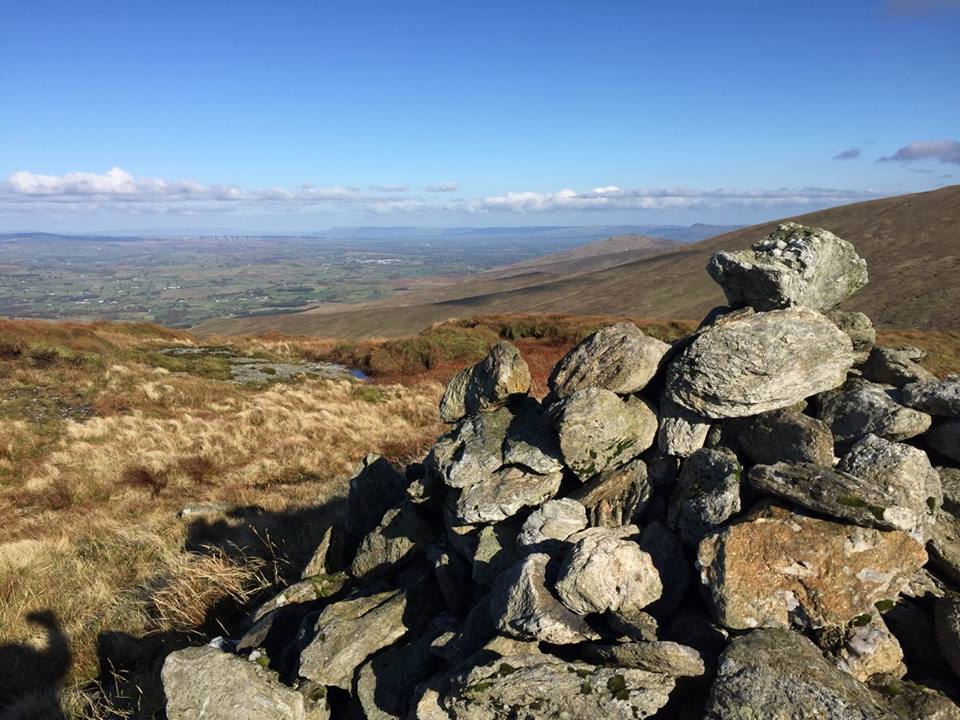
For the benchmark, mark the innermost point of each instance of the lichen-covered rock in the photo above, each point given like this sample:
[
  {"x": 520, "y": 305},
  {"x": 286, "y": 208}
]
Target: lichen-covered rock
[
  {"x": 681, "y": 432},
  {"x": 547, "y": 527},
  {"x": 603, "y": 572},
  {"x": 910, "y": 701},
  {"x": 758, "y": 363},
  {"x": 311, "y": 588},
  {"x": 947, "y": 624},
  {"x": 860, "y": 329},
  {"x": 950, "y": 483},
  {"x": 617, "y": 496},
  {"x": 658, "y": 656},
  {"x": 707, "y": 494},
  {"x": 786, "y": 436},
  {"x": 500, "y": 376},
  {"x": 376, "y": 486},
  {"x": 522, "y": 606},
  {"x": 945, "y": 545},
  {"x": 861, "y": 407},
  {"x": 207, "y": 683},
  {"x": 347, "y": 632},
  {"x": 793, "y": 265},
  {"x": 945, "y": 439},
  {"x": 502, "y": 494},
  {"x": 546, "y": 688},
  {"x": 619, "y": 358},
  {"x": 401, "y": 533},
  {"x": 934, "y": 398},
  {"x": 866, "y": 647},
  {"x": 780, "y": 675},
  {"x": 472, "y": 451},
  {"x": 777, "y": 568},
  {"x": 599, "y": 431},
  {"x": 496, "y": 551},
  {"x": 896, "y": 366}
]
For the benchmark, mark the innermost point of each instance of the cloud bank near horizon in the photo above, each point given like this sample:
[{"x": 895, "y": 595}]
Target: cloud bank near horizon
[{"x": 121, "y": 192}]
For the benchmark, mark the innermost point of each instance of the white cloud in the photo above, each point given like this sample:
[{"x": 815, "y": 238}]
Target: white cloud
[
  {"x": 442, "y": 187},
  {"x": 119, "y": 191}
]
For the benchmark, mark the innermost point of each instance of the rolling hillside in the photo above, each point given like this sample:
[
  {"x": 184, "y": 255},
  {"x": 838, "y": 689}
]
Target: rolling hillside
[{"x": 911, "y": 244}]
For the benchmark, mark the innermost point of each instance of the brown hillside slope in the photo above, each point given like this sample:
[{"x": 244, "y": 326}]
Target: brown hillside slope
[{"x": 911, "y": 243}]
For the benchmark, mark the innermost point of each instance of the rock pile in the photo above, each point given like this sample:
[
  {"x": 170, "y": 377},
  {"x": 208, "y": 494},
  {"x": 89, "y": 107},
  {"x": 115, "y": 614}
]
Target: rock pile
[{"x": 761, "y": 520}]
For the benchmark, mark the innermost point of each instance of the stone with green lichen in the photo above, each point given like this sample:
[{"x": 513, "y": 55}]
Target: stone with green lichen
[{"x": 707, "y": 494}]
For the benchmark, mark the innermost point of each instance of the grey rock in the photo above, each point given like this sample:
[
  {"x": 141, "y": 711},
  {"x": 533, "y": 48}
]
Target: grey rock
[
  {"x": 793, "y": 265},
  {"x": 707, "y": 494},
  {"x": 311, "y": 588},
  {"x": 935, "y": 398},
  {"x": 453, "y": 578},
  {"x": 681, "y": 432},
  {"x": 472, "y": 451},
  {"x": 496, "y": 551},
  {"x": 522, "y": 606},
  {"x": 665, "y": 549},
  {"x": 859, "y": 328},
  {"x": 910, "y": 701},
  {"x": 868, "y": 648},
  {"x": 662, "y": 469},
  {"x": 861, "y": 407},
  {"x": 780, "y": 675},
  {"x": 500, "y": 376},
  {"x": 376, "y": 486},
  {"x": 945, "y": 439},
  {"x": 503, "y": 493},
  {"x": 660, "y": 656},
  {"x": 347, "y": 632},
  {"x": 546, "y": 688},
  {"x": 615, "y": 497},
  {"x": 896, "y": 366},
  {"x": 619, "y": 358},
  {"x": 945, "y": 546},
  {"x": 386, "y": 682},
  {"x": 692, "y": 628},
  {"x": 550, "y": 525},
  {"x": 320, "y": 563},
  {"x": 950, "y": 482},
  {"x": 599, "y": 431},
  {"x": 531, "y": 442},
  {"x": 786, "y": 436},
  {"x": 401, "y": 534},
  {"x": 758, "y": 363},
  {"x": 947, "y": 624},
  {"x": 631, "y": 625},
  {"x": 204, "y": 682},
  {"x": 603, "y": 572},
  {"x": 905, "y": 474}
]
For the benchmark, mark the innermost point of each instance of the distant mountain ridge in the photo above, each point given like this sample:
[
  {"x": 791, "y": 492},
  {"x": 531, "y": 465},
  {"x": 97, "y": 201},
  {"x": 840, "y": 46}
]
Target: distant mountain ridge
[{"x": 911, "y": 244}]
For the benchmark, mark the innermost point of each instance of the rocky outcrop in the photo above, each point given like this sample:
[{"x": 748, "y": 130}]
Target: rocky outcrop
[{"x": 544, "y": 561}]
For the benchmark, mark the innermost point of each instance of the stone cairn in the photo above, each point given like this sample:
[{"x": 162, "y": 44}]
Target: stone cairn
[{"x": 743, "y": 524}]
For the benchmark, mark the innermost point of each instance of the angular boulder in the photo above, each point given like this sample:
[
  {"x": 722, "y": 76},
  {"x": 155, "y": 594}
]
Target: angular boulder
[
  {"x": 619, "y": 358},
  {"x": 547, "y": 527},
  {"x": 598, "y": 430},
  {"x": 945, "y": 439},
  {"x": 402, "y": 533},
  {"x": 500, "y": 376},
  {"x": 376, "y": 486},
  {"x": 681, "y": 432},
  {"x": 947, "y": 624},
  {"x": 777, "y": 568},
  {"x": 758, "y": 363},
  {"x": 868, "y": 648},
  {"x": 707, "y": 494},
  {"x": 945, "y": 546},
  {"x": 793, "y": 265},
  {"x": 659, "y": 656},
  {"x": 896, "y": 366},
  {"x": 502, "y": 494},
  {"x": 786, "y": 436},
  {"x": 617, "y": 496},
  {"x": 861, "y": 407},
  {"x": 934, "y": 398},
  {"x": 779, "y": 674},
  {"x": 859, "y": 328}
]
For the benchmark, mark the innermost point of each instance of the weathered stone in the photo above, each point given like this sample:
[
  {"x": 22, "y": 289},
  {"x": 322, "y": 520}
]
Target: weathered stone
[
  {"x": 496, "y": 551},
  {"x": 530, "y": 441},
  {"x": 793, "y": 265},
  {"x": 311, "y": 588},
  {"x": 659, "y": 656},
  {"x": 786, "y": 436},
  {"x": 762, "y": 362},
  {"x": 945, "y": 545},
  {"x": 935, "y": 398},
  {"x": 550, "y": 524},
  {"x": 472, "y": 451},
  {"x": 500, "y": 376},
  {"x": 707, "y": 494},
  {"x": 204, "y": 682},
  {"x": 617, "y": 496},
  {"x": 904, "y": 473},
  {"x": 401, "y": 533},
  {"x": 860, "y": 408},
  {"x": 319, "y": 563},
  {"x": 376, "y": 486},
  {"x": 346, "y": 633},
  {"x": 945, "y": 439},
  {"x": 603, "y": 572},
  {"x": 522, "y": 606},
  {"x": 909, "y": 701},
  {"x": 779, "y": 674},
  {"x": 896, "y": 366},
  {"x": 630, "y": 625},
  {"x": 867, "y": 648},
  {"x": 453, "y": 578},
  {"x": 619, "y": 358},
  {"x": 950, "y": 483},
  {"x": 665, "y": 549},
  {"x": 502, "y": 494},
  {"x": 546, "y": 688},
  {"x": 947, "y": 624},
  {"x": 776, "y": 568},
  {"x": 662, "y": 469},
  {"x": 859, "y": 328},
  {"x": 598, "y": 430},
  {"x": 386, "y": 682},
  {"x": 681, "y": 432}
]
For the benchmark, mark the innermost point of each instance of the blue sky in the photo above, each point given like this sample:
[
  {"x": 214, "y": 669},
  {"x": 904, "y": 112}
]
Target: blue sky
[{"x": 301, "y": 115}]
